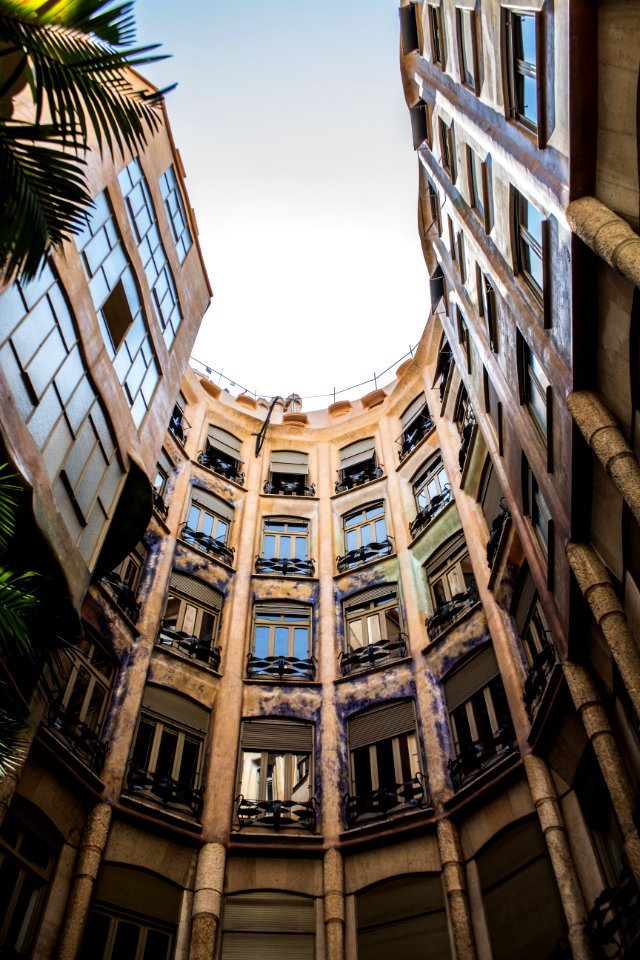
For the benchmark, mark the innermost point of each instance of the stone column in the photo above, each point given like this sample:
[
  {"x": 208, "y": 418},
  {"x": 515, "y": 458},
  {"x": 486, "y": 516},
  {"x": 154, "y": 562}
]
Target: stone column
[
  {"x": 92, "y": 846},
  {"x": 555, "y": 834},
  {"x": 596, "y": 723},
  {"x": 207, "y": 901},
  {"x": 334, "y": 904},
  {"x": 607, "y": 234},
  {"x": 456, "y": 886}
]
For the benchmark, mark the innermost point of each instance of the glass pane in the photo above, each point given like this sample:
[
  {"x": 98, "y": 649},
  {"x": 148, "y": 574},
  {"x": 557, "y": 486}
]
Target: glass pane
[
  {"x": 301, "y": 642},
  {"x": 386, "y": 766},
  {"x": 269, "y": 546},
  {"x": 366, "y": 535},
  {"x": 142, "y": 748},
  {"x": 189, "y": 618},
  {"x": 166, "y": 753},
  {"x": 528, "y": 99},
  {"x": 24, "y": 914},
  {"x": 481, "y": 716},
  {"x": 351, "y": 540},
  {"x": 467, "y": 46},
  {"x": 525, "y": 27},
  {"x": 207, "y": 626},
  {"x": 375, "y": 511},
  {"x": 381, "y": 530},
  {"x": 301, "y": 777},
  {"x": 432, "y": 488},
  {"x": 285, "y": 548},
  {"x": 157, "y": 945},
  {"x": 93, "y": 712},
  {"x": 392, "y": 622},
  {"x": 172, "y": 609},
  {"x": 250, "y": 778},
  {"x": 206, "y": 525},
  {"x": 125, "y": 945},
  {"x": 301, "y": 548},
  {"x": 373, "y": 628},
  {"x": 361, "y": 770},
  {"x": 194, "y": 518},
  {"x": 532, "y": 220},
  {"x": 189, "y": 763},
  {"x": 534, "y": 266},
  {"x": 261, "y": 645},
  {"x": 77, "y": 695},
  {"x": 276, "y": 777},
  {"x": 355, "y": 635},
  {"x": 281, "y": 643},
  {"x": 220, "y": 530},
  {"x": 95, "y": 937}
]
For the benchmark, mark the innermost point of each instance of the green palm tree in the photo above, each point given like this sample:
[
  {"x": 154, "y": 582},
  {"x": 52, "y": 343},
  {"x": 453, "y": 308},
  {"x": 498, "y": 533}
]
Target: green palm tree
[{"x": 71, "y": 60}]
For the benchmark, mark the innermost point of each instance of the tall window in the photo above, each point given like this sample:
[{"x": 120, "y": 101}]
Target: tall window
[
  {"x": 416, "y": 424},
  {"x": 289, "y": 474},
  {"x": 521, "y": 44},
  {"x": 164, "y": 468},
  {"x": 358, "y": 465},
  {"x": 436, "y": 33},
  {"x": 468, "y": 48},
  {"x": 178, "y": 423},
  {"x": 222, "y": 454},
  {"x": 373, "y": 629},
  {"x": 487, "y": 307},
  {"x": 281, "y": 642},
  {"x": 447, "y": 148},
  {"x": 529, "y": 228},
  {"x": 154, "y": 259},
  {"x": 536, "y": 508},
  {"x": 431, "y": 210},
  {"x": 535, "y": 391},
  {"x": 174, "y": 205},
  {"x": 432, "y": 491},
  {"x": 208, "y": 524},
  {"x": 285, "y": 547},
  {"x": 477, "y": 184},
  {"x": 123, "y": 582},
  {"x": 536, "y": 639},
  {"x": 420, "y": 116},
  {"x": 166, "y": 762},
  {"x": 449, "y": 572},
  {"x": 384, "y": 762},
  {"x": 444, "y": 365},
  {"x": 409, "y": 15},
  {"x": 191, "y": 619},
  {"x": 365, "y": 536}
]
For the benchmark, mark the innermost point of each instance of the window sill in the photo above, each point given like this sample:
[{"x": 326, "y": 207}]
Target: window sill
[
  {"x": 462, "y": 618},
  {"x": 415, "y": 449},
  {"x": 219, "y": 476},
  {"x": 365, "y": 566},
  {"x": 271, "y": 681},
  {"x": 105, "y": 595},
  {"x": 362, "y": 486},
  {"x": 150, "y": 808},
  {"x": 502, "y": 766},
  {"x": 185, "y": 658},
  {"x": 212, "y": 558},
  {"x": 402, "y": 821},
  {"x": 432, "y": 523},
  {"x": 268, "y": 839},
  {"x": 285, "y": 576},
  {"x": 379, "y": 667},
  {"x": 288, "y": 496}
]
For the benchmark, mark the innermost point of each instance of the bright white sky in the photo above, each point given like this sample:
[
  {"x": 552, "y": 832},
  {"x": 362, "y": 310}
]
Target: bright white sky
[{"x": 296, "y": 140}]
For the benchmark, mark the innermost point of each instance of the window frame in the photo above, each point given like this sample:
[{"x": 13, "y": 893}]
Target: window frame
[
  {"x": 369, "y": 523},
  {"x": 526, "y": 245},
  {"x": 530, "y": 385},
  {"x": 437, "y": 37},
  {"x": 518, "y": 67},
  {"x": 433, "y": 205},
  {"x": 447, "y": 148},
  {"x": 487, "y": 307},
  {"x": 540, "y": 517},
  {"x": 474, "y": 83},
  {"x": 354, "y": 611},
  {"x": 294, "y": 534},
  {"x": 264, "y": 613},
  {"x": 479, "y": 198}
]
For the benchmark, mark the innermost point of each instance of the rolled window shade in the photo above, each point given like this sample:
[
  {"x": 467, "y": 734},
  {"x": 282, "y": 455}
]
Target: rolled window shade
[
  {"x": 138, "y": 891},
  {"x": 390, "y": 720},
  {"x": 284, "y": 735},
  {"x": 289, "y": 461},
  {"x": 196, "y": 590},
  {"x": 357, "y": 452},
  {"x": 367, "y": 596},
  {"x": 268, "y": 946},
  {"x": 262, "y": 910},
  {"x": 526, "y": 598},
  {"x": 226, "y": 442},
  {"x": 210, "y": 502},
  {"x": 449, "y": 549},
  {"x": 474, "y": 674},
  {"x": 413, "y": 410},
  {"x": 171, "y": 706}
]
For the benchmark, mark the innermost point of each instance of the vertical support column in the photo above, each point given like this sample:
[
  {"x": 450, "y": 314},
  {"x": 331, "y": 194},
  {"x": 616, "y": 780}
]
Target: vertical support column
[
  {"x": 334, "y": 904},
  {"x": 596, "y": 723},
  {"x": 456, "y": 887},
  {"x": 207, "y": 901},
  {"x": 92, "y": 846},
  {"x": 555, "y": 834}
]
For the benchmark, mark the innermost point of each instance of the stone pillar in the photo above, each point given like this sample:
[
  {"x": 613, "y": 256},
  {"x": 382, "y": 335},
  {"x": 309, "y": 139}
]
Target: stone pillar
[
  {"x": 593, "y": 580},
  {"x": 555, "y": 834},
  {"x": 92, "y": 845},
  {"x": 334, "y": 904},
  {"x": 207, "y": 901},
  {"x": 596, "y": 723},
  {"x": 456, "y": 886},
  {"x": 607, "y": 234}
]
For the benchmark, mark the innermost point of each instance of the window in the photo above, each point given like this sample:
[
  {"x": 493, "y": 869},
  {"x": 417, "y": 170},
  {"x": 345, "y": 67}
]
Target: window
[
  {"x": 266, "y": 923},
  {"x": 222, "y": 455},
  {"x": 420, "y": 115},
  {"x": 285, "y": 547},
  {"x": 152, "y": 253},
  {"x": 536, "y": 508},
  {"x": 178, "y": 424},
  {"x": 537, "y": 641},
  {"x": 468, "y": 49},
  {"x": 444, "y": 365},
  {"x": 398, "y": 917},
  {"x": 450, "y": 574},
  {"x": 416, "y": 425},
  {"x": 276, "y": 775},
  {"x": 487, "y": 307},
  {"x": 463, "y": 336},
  {"x": 432, "y": 491},
  {"x": 365, "y": 536},
  {"x": 479, "y": 716},
  {"x": 373, "y": 629},
  {"x": 191, "y": 619},
  {"x": 436, "y": 33},
  {"x": 431, "y": 209},
  {"x": 358, "y": 465},
  {"x": 281, "y": 642},
  {"x": 479, "y": 187},
  {"x": 493, "y": 408},
  {"x": 289, "y": 474},
  {"x": 536, "y": 392},
  {"x": 208, "y": 524},
  {"x": 521, "y": 45},
  {"x": 529, "y": 232},
  {"x": 166, "y": 762},
  {"x": 123, "y": 582},
  {"x": 385, "y": 775},
  {"x": 164, "y": 468},
  {"x": 465, "y": 420},
  {"x": 174, "y": 205},
  {"x": 409, "y": 27},
  {"x": 447, "y": 148}
]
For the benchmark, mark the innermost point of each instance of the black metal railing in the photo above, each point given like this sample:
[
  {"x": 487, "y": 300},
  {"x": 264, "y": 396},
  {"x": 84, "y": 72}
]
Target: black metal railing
[
  {"x": 194, "y": 647},
  {"x": 158, "y": 503},
  {"x": 281, "y": 668},
  {"x": 207, "y": 543},
  {"x": 466, "y": 438},
  {"x": 166, "y": 790},
  {"x": 414, "y": 434},
  {"x": 84, "y": 742},
  {"x": 428, "y": 513},
  {"x": 179, "y": 425},
  {"x": 123, "y": 595},
  {"x": 480, "y": 755},
  {"x": 613, "y": 923},
  {"x": 495, "y": 534},
  {"x": 353, "y": 558},
  {"x": 354, "y": 477},
  {"x": 276, "y": 814},
  {"x": 225, "y": 467},
  {"x": 300, "y": 487},
  {"x": 537, "y": 677},
  {"x": 364, "y": 658},
  {"x": 450, "y": 612},
  {"x": 287, "y": 566},
  {"x": 386, "y": 801}
]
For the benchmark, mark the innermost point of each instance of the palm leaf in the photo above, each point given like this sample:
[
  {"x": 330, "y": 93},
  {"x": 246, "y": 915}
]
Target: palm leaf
[
  {"x": 8, "y": 503},
  {"x": 16, "y": 603},
  {"x": 115, "y": 25},
  {"x": 14, "y": 742}
]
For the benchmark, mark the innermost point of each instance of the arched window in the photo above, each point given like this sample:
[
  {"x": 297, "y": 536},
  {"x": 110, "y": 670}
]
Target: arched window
[
  {"x": 365, "y": 536},
  {"x": 281, "y": 648},
  {"x": 372, "y": 628}
]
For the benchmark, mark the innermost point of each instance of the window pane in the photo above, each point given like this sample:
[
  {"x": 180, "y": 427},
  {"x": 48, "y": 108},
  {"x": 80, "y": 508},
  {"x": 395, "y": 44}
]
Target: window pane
[
  {"x": 125, "y": 945},
  {"x": 189, "y": 619},
  {"x": 466, "y": 39},
  {"x": 373, "y": 628},
  {"x": 166, "y": 754},
  {"x": 381, "y": 530},
  {"x": 189, "y": 762},
  {"x": 301, "y": 548},
  {"x": 76, "y": 699},
  {"x": 386, "y": 767},
  {"x": 366, "y": 535},
  {"x": 206, "y": 525},
  {"x": 352, "y": 540},
  {"x": 250, "y": 779},
  {"x": 361, "y": 770},
  {"x": 285, "y": 548},
  {"x": 207, "y": 626},
  {"x": 194, "y": 518},
  {"x": 301, "y": 642},
  {"x": 142, "y": 749},
  {"x": 528, "y": 97},
  {"x": 269, "y": 546},
  {"x": 525, "y": 27},
  {"x": 355, "y": 638},
  {"x": 93, "y": 713},
  {"x": 261, "y": 646},
  {"x": 157, "y": 945},
  {"x": 281, "y": 644}
]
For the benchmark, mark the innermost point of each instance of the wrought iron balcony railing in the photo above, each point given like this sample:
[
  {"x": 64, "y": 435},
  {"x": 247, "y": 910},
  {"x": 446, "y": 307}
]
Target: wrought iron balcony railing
[
  {"x": 276, "y": 814},
  {"x": 179, "y": 425},
  {"x": 613, "y": 923},
  {"x": 450, "y": 612},
  {"x": 194, "y": 647},
  {"x": 537, "y": 677},
  {"x": 495, "y": 534},
  {"x": 465, "y": 444},
  {"x": 158, "y": 503},
  {"x": 281, "y": 668},
  {"x": 169, "y": 792},
  {"x": 386, "y": 801},
  {"x": 363, "y": 554},
  {"x": 123, "y": 595},
  {"x": 225, "y": 467},
  {"x": 366, "y": 472},
  {"x": 287, "y": 566},
  {"x": 480, "y": 755},
  {"x": 364, "y": 658},
  {"x": 80, "y": 738},
  {"x": 290, "y": 488},
  {"x": 414, "y": 433},
  {"x": 428, "y": 513},
  {"x": 207, "y": 543}
]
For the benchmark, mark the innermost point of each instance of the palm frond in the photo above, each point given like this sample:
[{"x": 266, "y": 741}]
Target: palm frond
[
  {"x": 115, "y": 25},
  {"x": 17, "y": 601},
  {"x": 14, "y": 742},
  {"x": 8, "y": 504}
]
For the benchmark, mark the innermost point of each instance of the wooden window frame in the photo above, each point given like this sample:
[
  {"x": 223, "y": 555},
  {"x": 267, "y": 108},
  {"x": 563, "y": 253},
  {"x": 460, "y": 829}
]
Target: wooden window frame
[
  {"x": 437, "y": 39},
  {"x": 515, "y": 67},
  {"x": 533, "y": 500},
  {"x": 355, "y": 611},
  {"x": 479, "y": 191},
  {"x": 364, "y": 523},
  {"x": 433, "y": 206},
  {"x": 475, "y": 86},
  {"x": 294, "y": 534},
  {"x": 432, "y": 470},
  {"x": 464, "y": 338},
  {"x": 487, "y": 306},
  {"x": 264, "y": 610},
  {"x": 447, "y": 148}
]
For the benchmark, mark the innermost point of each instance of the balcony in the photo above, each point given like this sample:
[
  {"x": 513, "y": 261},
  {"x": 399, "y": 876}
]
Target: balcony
[
  {"x": 158, "y": 503},
  {"x": 289, "y": 486},
  {"x": 364, "y": 472},
  {"x": 613, "y": 923},
  {"x": 83, "y": 742},
  {"x": 123, "y": 595},
  {"x": 287, "y": 566},
  {"x": 372, "y": 551},
  {"x": 170, "y": 793},
  {"x": 207, "y": 544},
  {"x": 281, "y": 668},
  {"x": 481, "y": 755},
  {"x": 193, "y": 647},
  {"x": 276, "y": 814},
  {"x": 537, "y": 677},
  {"x": 386, "y": 801},
  {"x": 428, "y": 513},
  {"x": 452, "y": 611},
  {"x": 179, "y": 425},
  {"x": 466, "y": 437},
  {"x": 373, "y": 654},
  {"x": 224, "y": 466},
  {"x": 414, "y": 434},
  {"x": 497, "y": 528}
]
